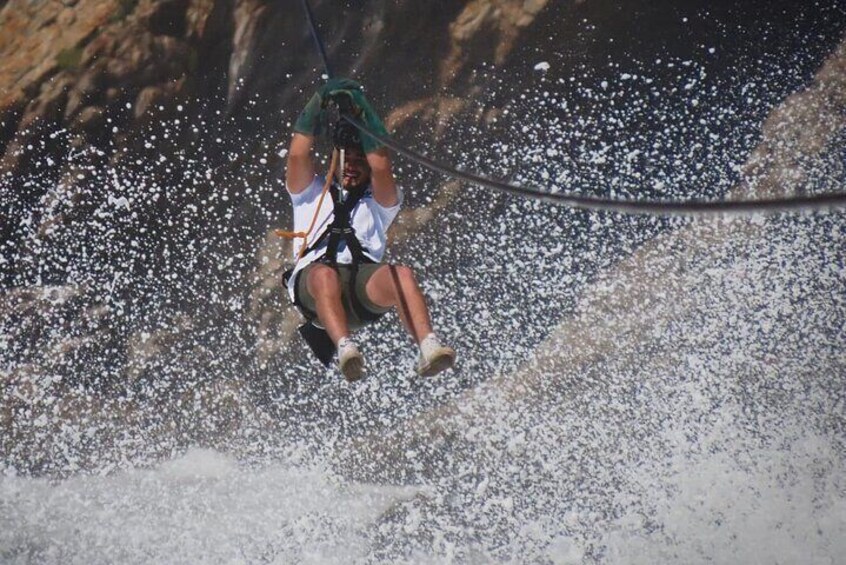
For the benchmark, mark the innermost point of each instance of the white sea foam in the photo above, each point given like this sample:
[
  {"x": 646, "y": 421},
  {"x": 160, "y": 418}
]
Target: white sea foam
[{"x": 202, "y": 507}]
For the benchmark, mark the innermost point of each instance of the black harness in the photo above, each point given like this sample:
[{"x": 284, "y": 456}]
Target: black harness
[
  {"x": 340, "y": 228},
  {"x": 339, "y": 231}
]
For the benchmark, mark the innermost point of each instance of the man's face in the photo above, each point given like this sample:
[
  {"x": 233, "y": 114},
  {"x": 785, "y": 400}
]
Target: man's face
[{"x": 356, "y": 171}]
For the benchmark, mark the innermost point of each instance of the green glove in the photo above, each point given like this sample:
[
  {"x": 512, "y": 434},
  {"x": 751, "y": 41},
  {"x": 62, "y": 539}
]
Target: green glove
[
  {"x": 334, "y": 84},
  {"x": 311, "y": 120},
  {"x": 363, "y": 111}
]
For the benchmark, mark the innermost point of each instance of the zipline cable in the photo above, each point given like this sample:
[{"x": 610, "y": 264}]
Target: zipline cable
[
  {"x": 651, "y": 207},
  {"x": 317, "y": 41}
]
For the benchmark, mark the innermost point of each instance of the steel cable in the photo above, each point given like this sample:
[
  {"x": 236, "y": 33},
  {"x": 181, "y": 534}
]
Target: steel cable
[{"x": 651, "y": 207}]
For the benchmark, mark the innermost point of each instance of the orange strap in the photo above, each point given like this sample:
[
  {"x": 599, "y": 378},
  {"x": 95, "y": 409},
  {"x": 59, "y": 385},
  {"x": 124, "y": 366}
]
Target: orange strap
[{"x": 304, "y": 234}]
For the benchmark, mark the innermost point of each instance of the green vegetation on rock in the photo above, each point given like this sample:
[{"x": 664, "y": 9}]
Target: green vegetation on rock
[{"x": 68, "y": 59}]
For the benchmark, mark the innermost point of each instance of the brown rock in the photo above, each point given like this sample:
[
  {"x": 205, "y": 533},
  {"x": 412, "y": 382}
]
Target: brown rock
[
  {"x": 247, "y": 16},
  {"x": 148, "y": 98},
  {"x": 484, "y": 25},
  {"x": 167, "y": 17},
  {"x": 798, "y": 133},
  {"x": 196, "y": 16},
  {"x": 49, "y": 106},
  {"x": 67, "y": 17},
  {"x": 91, "y": 119},
  {"x": 39, "y": 32},
  {"x": 88, "y": 88}
]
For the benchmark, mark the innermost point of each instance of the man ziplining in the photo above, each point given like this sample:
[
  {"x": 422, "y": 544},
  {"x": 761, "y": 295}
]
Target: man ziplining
[{"x": 338, "y": 282}]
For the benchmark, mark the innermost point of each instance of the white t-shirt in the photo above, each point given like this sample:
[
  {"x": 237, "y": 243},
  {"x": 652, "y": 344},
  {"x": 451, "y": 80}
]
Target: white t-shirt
[{"x": 369, "y": 219}]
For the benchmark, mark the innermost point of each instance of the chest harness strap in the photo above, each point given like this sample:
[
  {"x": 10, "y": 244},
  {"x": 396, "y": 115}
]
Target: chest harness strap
[{"x": 340, "y": 229}]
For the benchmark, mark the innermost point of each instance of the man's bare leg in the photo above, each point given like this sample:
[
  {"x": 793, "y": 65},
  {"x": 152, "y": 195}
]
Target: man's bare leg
[
  {"x": 396, "y": 286},
  {"x": 324, "y": 285}
]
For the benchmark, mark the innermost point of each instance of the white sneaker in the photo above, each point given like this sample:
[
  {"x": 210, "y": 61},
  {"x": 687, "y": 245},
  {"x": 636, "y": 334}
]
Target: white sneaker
[
  {"x": 350, "y": 360},
  {"x": 434, "y": 357}
]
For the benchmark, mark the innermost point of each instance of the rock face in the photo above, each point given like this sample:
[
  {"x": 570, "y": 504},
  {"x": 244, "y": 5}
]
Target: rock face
[
  {"x": 500, "y": 23},
  {"x": 95, "y": 59},
  {"x": 129, "y": 129},
  {"x": 40, "y": 37},
  {"x": 803, "y": 138},
  {"x": 139, "y": 169}
]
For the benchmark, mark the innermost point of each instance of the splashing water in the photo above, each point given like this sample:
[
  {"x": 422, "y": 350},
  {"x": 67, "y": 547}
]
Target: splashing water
[
  {"x": 201, "y": 506},
  {"x": 631, "y": 390}
]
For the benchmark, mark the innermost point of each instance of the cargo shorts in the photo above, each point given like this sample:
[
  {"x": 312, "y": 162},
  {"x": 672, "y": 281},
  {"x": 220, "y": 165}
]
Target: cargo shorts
[{"x": 355, "y": 318}]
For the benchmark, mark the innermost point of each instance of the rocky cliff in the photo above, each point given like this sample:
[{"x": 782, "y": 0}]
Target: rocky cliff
[
  {"x": 142, "y": 145},
  {"x": 164, "y": 111}
]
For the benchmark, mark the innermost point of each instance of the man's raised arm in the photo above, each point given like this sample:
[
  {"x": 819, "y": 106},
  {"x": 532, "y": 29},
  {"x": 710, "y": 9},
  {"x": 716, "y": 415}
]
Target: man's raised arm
[
  {"x": 378, "y": 158},
  {"x": 299, "y": 171},
  {"x": 382, "y": 177}
]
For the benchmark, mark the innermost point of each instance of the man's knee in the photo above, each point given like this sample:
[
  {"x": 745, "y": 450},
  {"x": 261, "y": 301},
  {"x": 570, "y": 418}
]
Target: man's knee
[
  {"x": 322, "y": 279},
  {"x": 388, "y": 284},
  {"x": 403, "y": 275}
]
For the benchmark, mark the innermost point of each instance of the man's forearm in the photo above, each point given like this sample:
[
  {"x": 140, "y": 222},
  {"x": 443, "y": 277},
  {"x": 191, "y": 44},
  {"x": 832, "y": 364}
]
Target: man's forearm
[
  {"x": 382, "y": 177},
  {"x": 299, "y": 171}
]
